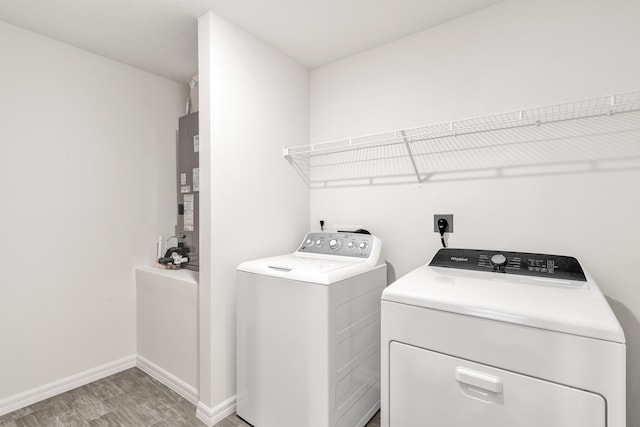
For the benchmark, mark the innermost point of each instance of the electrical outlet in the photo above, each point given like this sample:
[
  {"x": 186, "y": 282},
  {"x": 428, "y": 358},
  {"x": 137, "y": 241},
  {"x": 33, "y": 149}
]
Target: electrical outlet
[{"x": 448, "y": 217}]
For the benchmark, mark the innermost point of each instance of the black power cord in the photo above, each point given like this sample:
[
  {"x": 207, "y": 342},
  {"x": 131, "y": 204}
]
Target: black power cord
[
  {"x": 442, "y": 228},
  {"x": 321, "y": 225}
]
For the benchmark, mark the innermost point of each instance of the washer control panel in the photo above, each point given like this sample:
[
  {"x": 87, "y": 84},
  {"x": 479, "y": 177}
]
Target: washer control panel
[
  {"x": 523, "y": 263},
  {"x": 343, "y": 244}
]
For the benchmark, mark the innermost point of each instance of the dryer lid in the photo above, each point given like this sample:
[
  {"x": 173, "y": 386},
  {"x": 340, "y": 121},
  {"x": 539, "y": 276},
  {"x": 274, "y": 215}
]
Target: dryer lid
[{"x": 574, "y": 307}]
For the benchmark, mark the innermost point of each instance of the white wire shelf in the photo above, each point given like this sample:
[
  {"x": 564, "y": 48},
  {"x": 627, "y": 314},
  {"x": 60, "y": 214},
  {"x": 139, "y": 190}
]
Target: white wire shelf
[{"x": 591, "y": 130}]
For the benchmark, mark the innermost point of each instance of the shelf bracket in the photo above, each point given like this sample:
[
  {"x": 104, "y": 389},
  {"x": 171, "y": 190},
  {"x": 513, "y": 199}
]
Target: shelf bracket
[
  {"x": 612, "y": 104},
  {"x": 413, "y": 161}
]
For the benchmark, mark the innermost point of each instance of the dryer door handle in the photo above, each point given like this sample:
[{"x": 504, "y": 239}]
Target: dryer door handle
[{"x": 478, "y": 380}]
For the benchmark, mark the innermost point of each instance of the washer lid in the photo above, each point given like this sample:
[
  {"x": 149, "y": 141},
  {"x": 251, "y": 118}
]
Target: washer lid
[
  {"x": 323, "y": 270},
  {"x": 573, "y": 307}
]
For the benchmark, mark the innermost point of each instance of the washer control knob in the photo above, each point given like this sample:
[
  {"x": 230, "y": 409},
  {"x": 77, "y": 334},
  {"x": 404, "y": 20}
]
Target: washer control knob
[
  {"x": 309, "y": 242},
  {"x": 362, "y": 246},
  {"x": 498, "y": 261},
  {"x": 351, "y": 245},
  {"x": 319, "y": 242},
  {"x": 334, "y": 244}
]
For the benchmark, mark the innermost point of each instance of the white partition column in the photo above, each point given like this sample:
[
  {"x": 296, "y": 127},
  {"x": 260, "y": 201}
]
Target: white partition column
[{"x": 253, "y": 102}]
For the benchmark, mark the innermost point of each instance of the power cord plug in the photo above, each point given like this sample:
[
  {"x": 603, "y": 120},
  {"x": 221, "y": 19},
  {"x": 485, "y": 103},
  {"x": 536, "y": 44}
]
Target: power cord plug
[{"x": 442, "y": 228}]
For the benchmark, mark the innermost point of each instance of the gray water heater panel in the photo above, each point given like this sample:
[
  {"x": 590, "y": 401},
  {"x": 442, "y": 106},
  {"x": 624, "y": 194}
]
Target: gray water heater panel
[{"x": 188, "y": 185}]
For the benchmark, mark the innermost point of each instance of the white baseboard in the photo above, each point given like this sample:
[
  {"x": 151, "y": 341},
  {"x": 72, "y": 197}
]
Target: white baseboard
[
  {"x": 46, "y": 391},
  {"x": 174, "y": 383},
  {"x": 213, "y": 416},
  {"x": 365, "y": 420}
]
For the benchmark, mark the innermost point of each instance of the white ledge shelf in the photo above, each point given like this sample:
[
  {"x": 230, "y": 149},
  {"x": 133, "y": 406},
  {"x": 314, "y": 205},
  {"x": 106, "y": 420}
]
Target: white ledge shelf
[{"x": 586, "y": 132}]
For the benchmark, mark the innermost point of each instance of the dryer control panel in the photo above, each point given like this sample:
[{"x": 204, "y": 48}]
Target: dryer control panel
[
  {"x": 342, "y": 244},
  {"x": 522, "y": 263}
]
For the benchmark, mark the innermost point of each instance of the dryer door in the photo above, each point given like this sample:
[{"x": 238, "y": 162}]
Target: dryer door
[{"x": 433, "y": 389}]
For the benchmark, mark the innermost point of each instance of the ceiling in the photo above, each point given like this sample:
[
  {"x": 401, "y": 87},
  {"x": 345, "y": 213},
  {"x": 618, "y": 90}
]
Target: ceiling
[{"x": 160, "y": 36}]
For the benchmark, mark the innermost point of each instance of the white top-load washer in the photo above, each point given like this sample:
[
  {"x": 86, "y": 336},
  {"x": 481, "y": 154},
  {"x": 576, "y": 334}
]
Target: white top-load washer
[
  {"x": 500, "y": 339},
  {"x": 308, "y": 333}
]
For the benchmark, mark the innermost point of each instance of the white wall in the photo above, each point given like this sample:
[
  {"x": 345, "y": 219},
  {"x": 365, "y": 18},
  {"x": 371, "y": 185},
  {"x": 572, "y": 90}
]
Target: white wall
[
  {"x": 83, "y": 142},
  {"x": 514, "y": 55},
  {"x": 253, "y": 102},
  {"x": 167, "y": 327}
]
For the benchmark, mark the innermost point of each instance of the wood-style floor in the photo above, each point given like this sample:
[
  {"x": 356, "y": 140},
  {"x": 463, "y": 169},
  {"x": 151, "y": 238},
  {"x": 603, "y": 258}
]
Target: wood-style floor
[{"x": 127, "y": 399}]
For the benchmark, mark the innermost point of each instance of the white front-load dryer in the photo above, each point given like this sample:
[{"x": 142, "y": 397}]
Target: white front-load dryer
[
  {"x": 500, "y": 339},
  {"x": 308, "y": 333}
]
